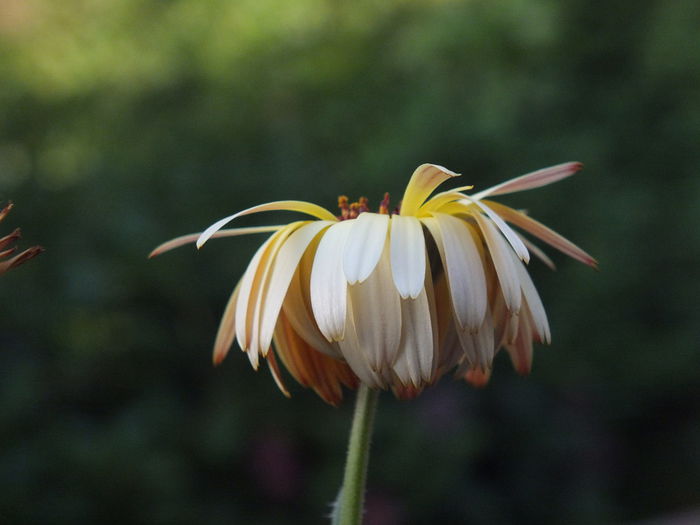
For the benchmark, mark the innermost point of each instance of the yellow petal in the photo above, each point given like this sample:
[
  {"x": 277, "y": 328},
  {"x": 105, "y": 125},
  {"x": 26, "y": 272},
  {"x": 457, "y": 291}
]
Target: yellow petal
[
  {"x": 187, "y": 239},
  {"x": 328, "y": 284},
  {"x": 364, "y": 246},
  {"x": 407, "y": 255},
  {"x": 423, "y": 182},
  {"x": 532, "y": 180},
  {"x": 300, "y": 206}
]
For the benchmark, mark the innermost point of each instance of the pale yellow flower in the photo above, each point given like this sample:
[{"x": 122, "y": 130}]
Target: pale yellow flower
[
  {"x": 6, "y": 248},
  {"x": 392, "y": 299}
]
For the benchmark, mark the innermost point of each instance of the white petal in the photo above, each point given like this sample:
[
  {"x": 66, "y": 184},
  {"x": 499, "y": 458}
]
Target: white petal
[
  {"x": 503, "y": 261},
  {"x": 285, "y": 265},
  {"x": 364, "y": 245},
  {"x": 376, "y": 309},
  {"x": 463, "y": 267},
  {"x": 328, "y": 284},
  {"x": 300, "y": 206},
  {"x": 407, "y": 255},
  {"x": 415, "y": 360},
  {"x": 532, "y": 180}
]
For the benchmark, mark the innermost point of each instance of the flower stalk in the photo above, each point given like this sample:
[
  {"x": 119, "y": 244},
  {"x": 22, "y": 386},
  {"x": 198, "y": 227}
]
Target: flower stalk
[{"x": 350, "y": 505}]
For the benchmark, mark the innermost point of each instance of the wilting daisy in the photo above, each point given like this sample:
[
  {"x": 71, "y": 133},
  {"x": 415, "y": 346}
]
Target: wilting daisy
[
  {"x": 394, "y": 298},
  {"x": 6, "y": 248}
]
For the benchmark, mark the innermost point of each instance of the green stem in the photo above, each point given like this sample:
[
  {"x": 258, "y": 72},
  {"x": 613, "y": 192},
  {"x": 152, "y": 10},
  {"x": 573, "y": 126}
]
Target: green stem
[{"x": 352, "y": 494}]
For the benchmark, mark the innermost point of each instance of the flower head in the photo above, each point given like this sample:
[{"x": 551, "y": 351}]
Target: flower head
[
  {"x": 394, "y": 299},
  {"x": 6, "y": 248}
]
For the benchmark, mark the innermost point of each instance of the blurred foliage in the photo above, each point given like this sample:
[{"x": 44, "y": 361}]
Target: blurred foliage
[{"x": 125, "y": 123}]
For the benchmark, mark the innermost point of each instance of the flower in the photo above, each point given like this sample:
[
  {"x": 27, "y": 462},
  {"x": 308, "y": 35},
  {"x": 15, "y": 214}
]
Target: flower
[
  {"x": 6, "y": 251},
  {"x": 393, "y": 299}
]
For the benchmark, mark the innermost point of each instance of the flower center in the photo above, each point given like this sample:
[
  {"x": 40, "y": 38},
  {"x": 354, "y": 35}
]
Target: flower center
[{"x": 350, "y": 210}]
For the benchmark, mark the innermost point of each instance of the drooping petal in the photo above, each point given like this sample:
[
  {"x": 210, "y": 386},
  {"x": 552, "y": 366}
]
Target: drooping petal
[
  {"x": 502, "y": 260},
  {"x": 309, "y": 367},
  {"x": 423, "y": 182},
  {"x": 532, "y": 180},
  {"x": 251, "y": 284},
  {"x": 463, "y": 266},
  {"x": 521, "y": 350},
  {"x": 537, "y": 252},
  {"x": 414, "y": 363},
  {"x": 407, "y": 255},
  {"x": 544, "y": 233},
  {"x": 284, "y": 267},
  {"x": 376, "y": 306},
  {"x": 355, "y": 355},
  {"x": 364, "y": 246},
  {"x": 297, "y": 309},
  {"x": 227, "y": 328},
  {"x": 512, "y": 237},
  {"x": 300, "y": 206},
  {"x": 534, "y": 303},
  {"x": 187, "y": 239},
  {"x": 277, "y": 374},
  {"x": 328, "y": 284}
]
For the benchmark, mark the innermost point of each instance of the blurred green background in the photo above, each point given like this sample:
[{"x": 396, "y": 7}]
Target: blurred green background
[{"x": 125, "y": 123}]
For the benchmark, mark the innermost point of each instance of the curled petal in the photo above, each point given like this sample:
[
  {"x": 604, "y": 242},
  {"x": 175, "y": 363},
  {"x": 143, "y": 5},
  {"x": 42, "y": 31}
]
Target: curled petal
[
  {"x": 423, "y": 182},
  {"x": 300, "y": 206}
]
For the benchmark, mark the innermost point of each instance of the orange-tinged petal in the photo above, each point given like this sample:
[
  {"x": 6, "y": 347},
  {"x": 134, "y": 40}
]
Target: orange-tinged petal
[
  {"x": 544, "y": 233},
  {"x": 227, "y": 328},
  {"x": 192, "y": 237},
  {"x": 532, "y": 180}
]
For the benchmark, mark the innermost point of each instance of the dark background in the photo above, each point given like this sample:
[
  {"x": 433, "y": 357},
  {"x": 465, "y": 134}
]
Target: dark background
[{"x": 125, "y": 123}]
